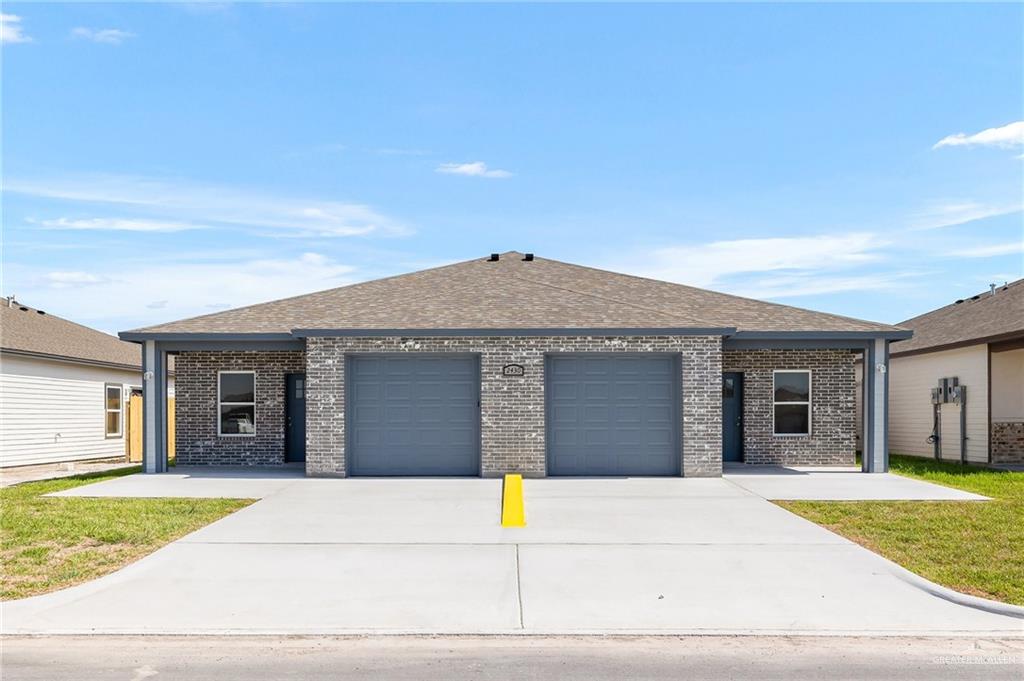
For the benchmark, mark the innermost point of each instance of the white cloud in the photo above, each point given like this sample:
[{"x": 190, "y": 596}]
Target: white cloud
[
  {"x": 1007, "y": 136},
  {"x": 813, "y": 284},
  {"x": 474, "y": 169},
  {"x": 116, "y": 224},
  {"x": 191, "y": 203},
  {"x": 991, "y": 251},
  {"x": 72, "y": 279},
  {"x": 108, "y": 36},
  {"x": 951, "y": 213},
  {"x": 11, "y": 30},
  {"x": 704, "y": 264},
  {"x": 152, "y": 292}
]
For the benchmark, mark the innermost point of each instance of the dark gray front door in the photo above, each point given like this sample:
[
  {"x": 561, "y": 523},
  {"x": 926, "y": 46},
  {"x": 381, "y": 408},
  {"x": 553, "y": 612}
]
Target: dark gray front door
[
  {"x": 295, "y": 417},
  {"x": 613, "y": 414},
  {"x": 412, "y": 414},
  {"x": 732, "y": 417}
]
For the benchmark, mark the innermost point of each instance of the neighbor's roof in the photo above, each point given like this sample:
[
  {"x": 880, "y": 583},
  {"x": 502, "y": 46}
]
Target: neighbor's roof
[
  {"x": 980, "y": 318},
  {"x": 514, "y": 294},
  {"x": 24, "y": 330}
]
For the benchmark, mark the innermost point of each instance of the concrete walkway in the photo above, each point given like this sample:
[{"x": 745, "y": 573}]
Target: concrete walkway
[
  {"x": 664, "y": 556},
  {"x": 839, "y": 484}
]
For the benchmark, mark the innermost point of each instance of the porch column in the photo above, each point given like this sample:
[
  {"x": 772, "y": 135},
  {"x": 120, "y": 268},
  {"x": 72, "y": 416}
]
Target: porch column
[
  {"x": 876, "y": 407},
  {"x": 154, "y": 409}
]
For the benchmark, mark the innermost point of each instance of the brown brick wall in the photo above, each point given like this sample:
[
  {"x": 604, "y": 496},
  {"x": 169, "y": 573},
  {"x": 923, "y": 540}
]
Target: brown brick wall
[
  {"x": 196, "y": 410},
  {"x": 1007, "y": 442},
  {"x": 512, "y": 408},
  {"x": 833, "y": 392}
]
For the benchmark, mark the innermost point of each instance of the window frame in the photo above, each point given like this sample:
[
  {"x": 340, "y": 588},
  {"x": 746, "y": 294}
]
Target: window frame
[
  {"x": 810, "y": 399},
  {"x": 119, "y": 411},
  {"x": 221, "y": 403}
]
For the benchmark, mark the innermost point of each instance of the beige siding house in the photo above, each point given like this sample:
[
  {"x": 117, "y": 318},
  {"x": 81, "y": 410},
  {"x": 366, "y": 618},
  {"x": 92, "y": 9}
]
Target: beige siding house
[
  {"x": 979, "y": 342},
  {"x": 64, "y": 389}
]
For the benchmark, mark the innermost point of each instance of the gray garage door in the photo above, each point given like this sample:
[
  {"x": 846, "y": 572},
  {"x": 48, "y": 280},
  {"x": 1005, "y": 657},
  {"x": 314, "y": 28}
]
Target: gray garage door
[
  {"x": 613, "y": 414},
  {"x": 413, "y": 415}
]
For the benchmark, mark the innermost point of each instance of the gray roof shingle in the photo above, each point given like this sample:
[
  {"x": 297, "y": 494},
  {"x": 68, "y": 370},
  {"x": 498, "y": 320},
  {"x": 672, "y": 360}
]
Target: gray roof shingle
[
  {"x": 26, "y": 330},
  {"x": 984, "y": 316},
  {"x": 513, "y": 293}
]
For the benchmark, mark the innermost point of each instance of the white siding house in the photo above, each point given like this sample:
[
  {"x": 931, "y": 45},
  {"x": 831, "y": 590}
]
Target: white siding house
[
  {"x": 979, "y": 341},
  {"x": 911, "y": 379},
  {"x": 64, "y": 389},
  {"x": 53, "y": 411}
]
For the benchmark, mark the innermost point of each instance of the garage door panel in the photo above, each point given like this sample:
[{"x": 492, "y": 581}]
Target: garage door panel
[
  {"x": 613, "y": 415},
  {"x": 626, "y": 414},
  {"x": 414, "y": 415},
  {"x": 660, "y": 390},
  {"x": 366, "y": 390},
  {"x": 628, "y": 439}
]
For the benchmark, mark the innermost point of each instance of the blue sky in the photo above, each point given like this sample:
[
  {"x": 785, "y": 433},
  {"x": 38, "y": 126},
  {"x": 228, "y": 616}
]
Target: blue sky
[{"x": 162, "y": 161}]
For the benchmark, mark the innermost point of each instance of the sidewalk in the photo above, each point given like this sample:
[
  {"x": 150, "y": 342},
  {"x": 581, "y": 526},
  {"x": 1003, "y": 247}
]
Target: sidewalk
[{"x": 48, "y": 471}]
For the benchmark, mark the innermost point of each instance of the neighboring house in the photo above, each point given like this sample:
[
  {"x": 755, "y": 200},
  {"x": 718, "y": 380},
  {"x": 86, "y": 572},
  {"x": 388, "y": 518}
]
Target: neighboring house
[
  {"x": 979, "y": 341},
  {"x": 515, "y": 364},
  {"x": 63, "y": 389}
]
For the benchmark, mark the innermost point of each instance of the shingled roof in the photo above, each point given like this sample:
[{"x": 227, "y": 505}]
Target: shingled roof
[
  {"x": 988, "y": 316},
  {"x": 27, "y": 331},
  {"x": 514, "y": 293}
]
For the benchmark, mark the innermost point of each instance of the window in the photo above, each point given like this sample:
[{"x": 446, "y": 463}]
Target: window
[
  {"x": 236, "y": 400},
  {"x": 112, "y": 409},
  {"x": 792, "y": 402},
  {"x": 728, "y": 387}
]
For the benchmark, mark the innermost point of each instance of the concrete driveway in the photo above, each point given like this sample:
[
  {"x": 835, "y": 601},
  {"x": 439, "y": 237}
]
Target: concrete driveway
[{"x": 428, "y": 556}]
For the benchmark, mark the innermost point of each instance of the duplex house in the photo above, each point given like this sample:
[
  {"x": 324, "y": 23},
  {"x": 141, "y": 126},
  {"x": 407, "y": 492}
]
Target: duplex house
[
  {"x": 957, "y": 386},
  {"x": 515, "y": 363}
]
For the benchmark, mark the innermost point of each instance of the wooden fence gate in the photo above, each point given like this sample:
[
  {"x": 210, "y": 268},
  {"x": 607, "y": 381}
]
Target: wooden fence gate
[{"x": 133, "y": 441}]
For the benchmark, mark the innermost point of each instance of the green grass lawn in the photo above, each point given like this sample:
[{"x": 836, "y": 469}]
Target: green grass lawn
[
  {"x": 974, "y": 547},
  {"x": 49, "y": 543}
]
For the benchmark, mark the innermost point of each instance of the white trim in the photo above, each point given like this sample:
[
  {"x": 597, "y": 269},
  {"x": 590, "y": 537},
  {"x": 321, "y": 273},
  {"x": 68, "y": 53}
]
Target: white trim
[
  {"x": 810, "y": 398},
  {"x": 120, "y": 411},
  {"x": 238, "y": 404}
]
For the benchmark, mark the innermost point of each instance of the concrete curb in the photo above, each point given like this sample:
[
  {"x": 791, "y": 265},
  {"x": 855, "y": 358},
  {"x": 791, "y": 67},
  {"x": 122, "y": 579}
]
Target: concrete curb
[{"x": 947, "y": 594}]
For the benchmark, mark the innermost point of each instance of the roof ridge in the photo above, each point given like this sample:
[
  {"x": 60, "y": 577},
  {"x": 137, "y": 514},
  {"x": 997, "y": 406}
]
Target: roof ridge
[
  {"x": 720, "y": 293},
  {"x": 46, "y": 314},
  {"x": 984, "y": 295}
]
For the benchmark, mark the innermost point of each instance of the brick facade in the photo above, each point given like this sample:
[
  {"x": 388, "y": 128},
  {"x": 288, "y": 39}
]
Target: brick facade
[
  {"x": 1007, "y": 442},
  {"x": 196, "y": 410},
  {"x": 832, "y": 440},
  {"x": 512, "y": 408}
]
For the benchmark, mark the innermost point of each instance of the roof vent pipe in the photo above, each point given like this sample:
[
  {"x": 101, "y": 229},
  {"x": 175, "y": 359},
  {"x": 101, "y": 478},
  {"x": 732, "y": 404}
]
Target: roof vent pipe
[
  {"x": 494, "y": 257},
  {"x": 991, "y": 289},
  {"x": 528, "y": 257}
]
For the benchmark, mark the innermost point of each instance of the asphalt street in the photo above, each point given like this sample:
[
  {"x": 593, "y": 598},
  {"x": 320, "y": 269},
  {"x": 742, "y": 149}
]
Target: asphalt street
[{"x": 503, "y": 658}]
